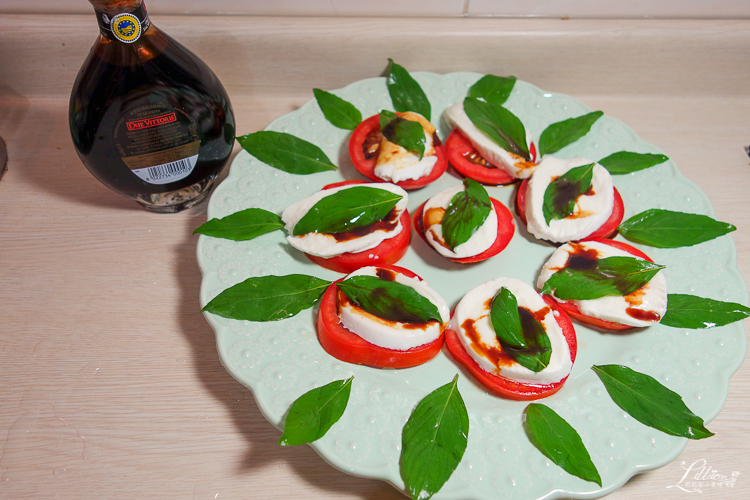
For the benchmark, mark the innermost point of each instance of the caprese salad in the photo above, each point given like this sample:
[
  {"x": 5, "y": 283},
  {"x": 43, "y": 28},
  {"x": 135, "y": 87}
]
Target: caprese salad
[
  {"x": 569, "y": 200},
  {"x": 489, "y": 143},
  {"x": 350, "y": 224},
  {"x": 475, "y": 155},
  {"x": 376, "y": 155},
  {"x": 464, "y": 224},
  {"x": 383, "y": 316},
  {"x": 515, "y": 342},
  {"x": 605, "y": 283}
]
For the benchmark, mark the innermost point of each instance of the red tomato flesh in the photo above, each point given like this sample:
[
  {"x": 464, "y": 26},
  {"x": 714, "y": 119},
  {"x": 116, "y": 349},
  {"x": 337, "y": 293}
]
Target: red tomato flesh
[
  {"x": 607, "y": 230},
  {"x": 347, "y": 346},
  {"x": 387, "y": 252},
  {"x": 366, "y": 166},
  {"x": 575, "y": 313},
  {"x": 505, "y": 229},
  {"x": 458, "y": 149},
  {"x": 505, "y": 387}
]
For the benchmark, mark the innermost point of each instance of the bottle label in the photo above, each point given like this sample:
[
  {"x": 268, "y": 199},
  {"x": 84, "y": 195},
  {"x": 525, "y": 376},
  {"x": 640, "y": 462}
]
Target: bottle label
[
  {"x": 165, "y": 173},
  {"x": 126, "y": 27},
  {"x": 158, "y": 143}
]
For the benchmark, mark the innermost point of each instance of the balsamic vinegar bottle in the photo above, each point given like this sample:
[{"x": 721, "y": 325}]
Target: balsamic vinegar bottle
[{"x": 148, "y": 118}]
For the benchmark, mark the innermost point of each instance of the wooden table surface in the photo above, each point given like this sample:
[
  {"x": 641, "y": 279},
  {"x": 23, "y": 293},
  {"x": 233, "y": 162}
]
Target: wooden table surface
[{"x": 110, "y": 382}]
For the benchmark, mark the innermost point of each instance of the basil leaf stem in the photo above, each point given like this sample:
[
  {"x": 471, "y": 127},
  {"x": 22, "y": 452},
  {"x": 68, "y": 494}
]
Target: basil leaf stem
[
  {"x": 268, "y": 298},
  {"x": 243, "y": 225},
  {"x": 433, "y": 441},
  {"x": 560, "y": 442},
  {"x": 286, "y": 152},
  {"x": 649, "y": 402},
  {"x": 314, "y": 413}
]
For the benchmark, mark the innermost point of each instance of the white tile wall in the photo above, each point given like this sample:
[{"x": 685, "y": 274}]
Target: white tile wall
[{"x": 722, "y": 9}]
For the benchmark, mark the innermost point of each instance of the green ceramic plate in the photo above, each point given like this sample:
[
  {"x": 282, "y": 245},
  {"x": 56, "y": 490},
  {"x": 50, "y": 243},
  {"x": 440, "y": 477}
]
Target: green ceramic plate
[{"x": 281, "y": 360}]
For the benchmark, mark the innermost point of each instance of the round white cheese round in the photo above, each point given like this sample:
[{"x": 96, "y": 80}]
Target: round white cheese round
[
  {"x": 592, "y": 209},
  {"x": 326, "y": 245},
  {"x": 394, "y": 334},
  {"x": 471, "y": 320}
]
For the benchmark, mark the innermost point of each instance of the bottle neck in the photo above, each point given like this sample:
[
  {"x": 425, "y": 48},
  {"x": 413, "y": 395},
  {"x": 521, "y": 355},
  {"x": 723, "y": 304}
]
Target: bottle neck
[{"x": 124, "y": 25}]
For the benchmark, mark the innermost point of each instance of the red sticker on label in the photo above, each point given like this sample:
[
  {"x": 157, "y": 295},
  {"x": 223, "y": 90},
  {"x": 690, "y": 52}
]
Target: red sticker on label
[{"x": 152, "y": 122}]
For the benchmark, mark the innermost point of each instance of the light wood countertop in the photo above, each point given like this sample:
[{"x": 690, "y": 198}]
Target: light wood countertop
[{"x": 110, "y": 382}]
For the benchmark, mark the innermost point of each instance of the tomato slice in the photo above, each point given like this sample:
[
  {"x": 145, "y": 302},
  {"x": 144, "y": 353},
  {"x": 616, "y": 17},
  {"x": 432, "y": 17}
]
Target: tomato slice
[
  {"x": 607, "y": 230},
  {"x": 347, "y": 346},
  {"x": 387, "y": 252},
  {"x": 576, "y": 313},
  {"x": 458, "y": 147},
  {"x": 505, "y": 229},
  {"x": 366, "y": 166},
  {"x": 506, "y": 387}
]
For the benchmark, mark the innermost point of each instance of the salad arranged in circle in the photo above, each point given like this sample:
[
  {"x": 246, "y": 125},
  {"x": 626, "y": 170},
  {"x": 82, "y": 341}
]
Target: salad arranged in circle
[{"x": 518, "y": 342}]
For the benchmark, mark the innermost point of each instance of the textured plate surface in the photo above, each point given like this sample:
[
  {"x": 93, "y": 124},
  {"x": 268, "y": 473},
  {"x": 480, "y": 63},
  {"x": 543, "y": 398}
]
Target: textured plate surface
[{"x": 281, "y": 360}]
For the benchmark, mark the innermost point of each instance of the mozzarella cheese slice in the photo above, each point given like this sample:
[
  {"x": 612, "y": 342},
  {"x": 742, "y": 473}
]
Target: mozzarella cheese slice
[
  {"x": 644, "y": 307},
  {"x": 516, "y": 166},
  {"x": 393, "y": 334},
  {"x": 591, "y": 211},
  {"x": 396, "y": 164},
  {"x": 471, "y": 321},
  {"x": 326, "y": 245},
  {"x": 432, "y": 217}
]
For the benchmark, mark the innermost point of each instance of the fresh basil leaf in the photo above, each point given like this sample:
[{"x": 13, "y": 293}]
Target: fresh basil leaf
[
  {"x": 465, "y": 214},
  {"x": 600, "y": 278},
  {"x": 560, "y": 442},
  {"x": 389, "y": 299},
  {"x": 562, "y": 194},
  {"x": 667, "y": 229},
  {"x": 650, "y": 403},
  {"x": 347, "y": 210},
  {"x": 624, "y": 162},
  {"x": 689, "y": 311},
  {"x": 560, "y": 134},
  {"x": 268, "y": 298},
  {"x": 313, "y": 413},
  {"x": 502, "y": 126},
  {"x": 521, "y": 335},
  {"x": 340, "y": 113},
  {"x": 243, "y": 225},
  {"x": 286, "y": 152},
  {"x": 505, "y": 319},
  {"x": 406, "y": 133},
  {"x": 493, "y": 88},
  {"x": 433, "y": 441},
  {"x": 405, "y": 92}
]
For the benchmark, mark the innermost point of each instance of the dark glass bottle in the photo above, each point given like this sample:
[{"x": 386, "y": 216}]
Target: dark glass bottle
[{"x": 148, "y": 118}]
